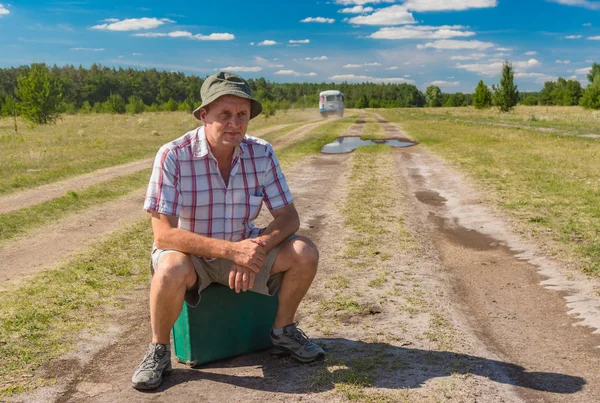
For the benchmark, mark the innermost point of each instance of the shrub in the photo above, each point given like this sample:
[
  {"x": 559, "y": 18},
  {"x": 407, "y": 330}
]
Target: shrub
[
  {"x": 114, "y": 104},
  {"x": 135, "y": 105}
]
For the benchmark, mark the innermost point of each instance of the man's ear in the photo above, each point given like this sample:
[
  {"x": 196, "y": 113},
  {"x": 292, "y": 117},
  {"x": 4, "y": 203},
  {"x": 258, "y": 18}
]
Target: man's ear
[{"x": 203, "y": 115}]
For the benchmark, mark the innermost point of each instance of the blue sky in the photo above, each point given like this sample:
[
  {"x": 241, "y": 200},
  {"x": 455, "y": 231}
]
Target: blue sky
[{"x": 449, "y": 43}]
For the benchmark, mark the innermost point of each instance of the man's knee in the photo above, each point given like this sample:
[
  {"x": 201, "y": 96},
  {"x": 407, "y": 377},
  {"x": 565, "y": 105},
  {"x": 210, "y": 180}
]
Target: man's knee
[
  {"x": 175, "y": 268},
  {"x": 306, "y": 252}
]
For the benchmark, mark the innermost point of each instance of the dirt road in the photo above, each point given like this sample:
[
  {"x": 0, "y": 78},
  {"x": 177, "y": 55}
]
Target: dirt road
[{"x": 451, "y": 306}]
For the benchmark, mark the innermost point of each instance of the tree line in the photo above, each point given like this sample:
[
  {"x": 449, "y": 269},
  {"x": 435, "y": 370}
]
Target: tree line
[{"x": 40, "y": 93}]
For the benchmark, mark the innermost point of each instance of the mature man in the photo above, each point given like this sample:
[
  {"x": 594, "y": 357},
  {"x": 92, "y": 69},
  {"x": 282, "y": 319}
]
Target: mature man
[{"x": 206, "y": 189}]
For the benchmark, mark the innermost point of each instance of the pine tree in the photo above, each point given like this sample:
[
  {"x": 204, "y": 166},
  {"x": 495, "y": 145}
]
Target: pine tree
[
  {"x": 482, "y": 98},
  {"x": 506, "y": 95},
  {"x": 40, "y": 93}
]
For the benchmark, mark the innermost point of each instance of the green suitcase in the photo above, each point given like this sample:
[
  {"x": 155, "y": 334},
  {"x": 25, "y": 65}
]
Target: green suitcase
[{"x": 224, "y": 324}]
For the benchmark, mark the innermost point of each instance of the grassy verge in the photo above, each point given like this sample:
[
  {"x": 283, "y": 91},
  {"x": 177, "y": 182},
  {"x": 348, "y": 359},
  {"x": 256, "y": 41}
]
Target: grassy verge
[
  {"x": 275, "y": 134},
  {"x": 21, "y": 221},
  {"x": 84, "y": 143},
  {"x": 547, "y": 182},
  {"x": 42, "y": 319},
  {"x": 372, "y": 130}
]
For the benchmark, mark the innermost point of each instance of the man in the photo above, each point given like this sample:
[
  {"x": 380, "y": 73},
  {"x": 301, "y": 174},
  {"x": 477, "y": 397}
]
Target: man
[{"x": 206, "y": 189}]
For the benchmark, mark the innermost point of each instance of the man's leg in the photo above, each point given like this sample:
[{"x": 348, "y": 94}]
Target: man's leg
[
  {"x": 297, "y": 260},
  {"x": 173, "y": 276}
]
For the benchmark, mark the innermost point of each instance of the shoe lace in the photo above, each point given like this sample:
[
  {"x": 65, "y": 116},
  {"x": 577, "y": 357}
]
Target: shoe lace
[
  {"x": 151, "y": 360},
  {"x": 299, "y": 336}
]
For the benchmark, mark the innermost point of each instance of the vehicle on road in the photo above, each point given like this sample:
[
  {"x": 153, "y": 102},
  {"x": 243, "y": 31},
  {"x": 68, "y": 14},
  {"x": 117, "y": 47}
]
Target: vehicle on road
[{"x": 331, "y": 102}]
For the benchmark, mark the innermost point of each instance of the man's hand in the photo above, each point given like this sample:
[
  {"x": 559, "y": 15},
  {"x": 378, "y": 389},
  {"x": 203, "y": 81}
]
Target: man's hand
[
  {"x": 240, "y": 278},
  {"x": 249, "y": 253}
]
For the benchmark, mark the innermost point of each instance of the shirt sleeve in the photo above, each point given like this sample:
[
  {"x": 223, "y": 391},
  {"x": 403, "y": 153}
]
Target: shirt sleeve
[
  {"x": 163, "y": 190},
  {"x": 276, "y": 191}
]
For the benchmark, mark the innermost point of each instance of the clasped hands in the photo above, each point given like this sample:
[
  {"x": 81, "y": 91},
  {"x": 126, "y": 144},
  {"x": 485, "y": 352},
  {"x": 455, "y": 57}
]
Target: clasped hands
[{"x": 248, "y": 258}]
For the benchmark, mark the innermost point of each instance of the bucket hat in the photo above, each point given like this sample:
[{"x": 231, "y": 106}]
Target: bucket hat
[{"x": 224, "y": 83}]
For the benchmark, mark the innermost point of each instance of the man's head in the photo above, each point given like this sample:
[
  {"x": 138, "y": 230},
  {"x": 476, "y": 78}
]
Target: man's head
[{"x": 224, "y": 83}]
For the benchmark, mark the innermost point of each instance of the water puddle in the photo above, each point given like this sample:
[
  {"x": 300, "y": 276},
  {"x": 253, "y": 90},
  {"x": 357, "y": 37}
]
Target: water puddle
[{"x": 347, "y": 144}]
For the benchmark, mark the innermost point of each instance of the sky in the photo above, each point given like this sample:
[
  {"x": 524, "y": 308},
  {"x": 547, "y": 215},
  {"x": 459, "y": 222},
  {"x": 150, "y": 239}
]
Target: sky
[{"x": 449, "y": 43}]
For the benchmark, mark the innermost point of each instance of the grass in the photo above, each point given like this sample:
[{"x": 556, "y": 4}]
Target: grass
[
  {"x": 547, "y": 182},
  {"x": 372, "y": 130},
  {"x": 42, "y": 318},
  {"x": 83, "y": 143},
  {"x": 570, "y": 119},
  {"x": 19, "y": 222}
]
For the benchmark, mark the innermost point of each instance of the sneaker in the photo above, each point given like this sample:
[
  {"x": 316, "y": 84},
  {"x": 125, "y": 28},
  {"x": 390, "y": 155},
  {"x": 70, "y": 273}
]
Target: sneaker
[
  {"x": 297, "y": 344},
  {"x": 149, "y": 373}
]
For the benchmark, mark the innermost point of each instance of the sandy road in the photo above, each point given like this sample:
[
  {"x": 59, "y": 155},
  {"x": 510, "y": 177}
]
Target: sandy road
[{"x": 507, "y": 309}]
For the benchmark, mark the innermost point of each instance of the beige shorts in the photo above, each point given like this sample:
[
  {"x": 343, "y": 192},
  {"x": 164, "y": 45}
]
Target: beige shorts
[{"x": 217, "y": 271}]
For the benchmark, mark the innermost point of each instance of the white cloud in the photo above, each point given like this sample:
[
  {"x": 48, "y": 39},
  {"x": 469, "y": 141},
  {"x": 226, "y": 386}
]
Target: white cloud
[
  {"x": 456, "y": 44},
  {"x": 585, "y": 70},
  {"x": 89, "y": 49},
  {"x": 354, "y": 66},
  {"x": 356, "y": 10},
  {"x": 504, "y": 49},
  {"x": 447, "y": 5},
  {"x": 294, "y": 73},
  {"x": 186, "y": 34},
  {"x": 267, "y": 42},
  {"x": 352, "y": 77},
  {"x": 264, "y": 62},
  {"x": 530, "y": 53},
  {"x": 572, "y": 36},
  {"x": 594, "y": 38},
  {"x": 421, "y": 32},
  {"x": 137, "y": 54},
  {"x": 242, "y": 69},
  {"x": 442, "y": 83},
  {"x": 251, "y": 43},
  {"x": 538, "y": 77},
  {"x": 131, "y": 24},
  {"x": 3, "y": 10},
  {"x": 316, "y": 58},
  {"x": 392, "y": 68},
  {"x": 321, "y": 20},
  {"x": 563, "y": 62},
  {"x": 393, "y": 15},
  {"x": 587, "y": 24},
  {"x": 495, "y": 68},
  {"x": 299, "y": 41},
  {"x": 472, "y": 56},
  {"x": 361, "y": 2},
  {"x": 592, "y": 5},
  {"x": 180, "y": 34},
  {"x": 215, "y": 37}
]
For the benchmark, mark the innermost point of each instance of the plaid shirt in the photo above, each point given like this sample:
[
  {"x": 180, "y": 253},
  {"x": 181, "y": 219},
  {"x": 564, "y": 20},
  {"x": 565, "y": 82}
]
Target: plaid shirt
[{"x": 186, "y": 182}]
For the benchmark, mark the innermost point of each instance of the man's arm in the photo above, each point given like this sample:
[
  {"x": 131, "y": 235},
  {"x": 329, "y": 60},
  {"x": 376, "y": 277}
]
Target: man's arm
[
  {"x": 247, "y": 253},
  {"x": 285, "y": 223}
]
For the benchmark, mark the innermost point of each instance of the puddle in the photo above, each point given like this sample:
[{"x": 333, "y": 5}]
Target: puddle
[{"x": 347, "y": 144}]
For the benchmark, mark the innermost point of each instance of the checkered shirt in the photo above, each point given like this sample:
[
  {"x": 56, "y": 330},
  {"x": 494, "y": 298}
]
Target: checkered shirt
[{"x": 186, "y": 182}]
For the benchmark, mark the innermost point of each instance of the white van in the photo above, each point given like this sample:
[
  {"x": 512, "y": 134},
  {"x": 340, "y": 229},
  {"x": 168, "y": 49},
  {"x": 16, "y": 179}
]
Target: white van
[{"x": 331, "y": 103}]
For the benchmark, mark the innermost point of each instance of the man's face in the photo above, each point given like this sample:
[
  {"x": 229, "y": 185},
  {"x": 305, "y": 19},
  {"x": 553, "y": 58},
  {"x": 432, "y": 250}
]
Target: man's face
[{"x": 226, "y": 121}]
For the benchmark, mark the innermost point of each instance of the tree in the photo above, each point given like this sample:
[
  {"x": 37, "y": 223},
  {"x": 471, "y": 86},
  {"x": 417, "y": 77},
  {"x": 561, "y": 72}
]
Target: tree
[
  {"x": 530, "y": 100},
  {"x": 482, "y": 98},
  {"x": 594, "y": 71},
  {"x": 433, "y": 96},
  {"x": 40, "y": 94},
  {"x": 506, "y": 94},
  {"x": 591, "y": 95}
]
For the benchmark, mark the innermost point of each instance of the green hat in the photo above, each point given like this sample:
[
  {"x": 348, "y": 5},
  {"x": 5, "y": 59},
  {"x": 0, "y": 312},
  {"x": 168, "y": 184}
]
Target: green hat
[{"x": 224, "y": 83}]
